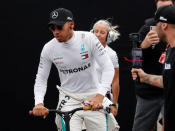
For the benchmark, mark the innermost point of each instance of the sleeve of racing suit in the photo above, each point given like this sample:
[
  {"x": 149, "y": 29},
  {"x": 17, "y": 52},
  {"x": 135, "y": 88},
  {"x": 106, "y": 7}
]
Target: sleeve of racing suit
[
  {"x": 42, "y": 76},
  {"x": 104, "y": 61}
]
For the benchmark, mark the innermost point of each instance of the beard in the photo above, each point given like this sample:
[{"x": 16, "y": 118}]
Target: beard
[
  {"x": 161, "y": 35},
  {"x": 163, "y": 38}
]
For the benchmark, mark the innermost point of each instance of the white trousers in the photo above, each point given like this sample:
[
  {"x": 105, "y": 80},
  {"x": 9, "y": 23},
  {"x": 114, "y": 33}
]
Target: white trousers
[{"x": 93, "y": 120}]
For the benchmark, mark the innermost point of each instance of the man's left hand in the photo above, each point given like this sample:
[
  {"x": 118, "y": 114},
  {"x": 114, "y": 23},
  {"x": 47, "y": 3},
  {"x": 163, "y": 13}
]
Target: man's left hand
[{"x": 96, "y": 102}]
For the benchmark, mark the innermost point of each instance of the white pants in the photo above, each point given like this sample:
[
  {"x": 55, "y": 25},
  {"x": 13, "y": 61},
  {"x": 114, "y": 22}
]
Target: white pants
[{"x": 93, "y": 120}]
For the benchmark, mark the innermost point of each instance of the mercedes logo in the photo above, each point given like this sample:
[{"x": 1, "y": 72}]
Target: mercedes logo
[{"x": 54, "y": 14}]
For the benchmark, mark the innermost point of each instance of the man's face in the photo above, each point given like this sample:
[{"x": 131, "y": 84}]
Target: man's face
[
  {"x": 163, "y": 3},
  {"x": 160, "y": 32},
  {"x": 64, "y": 33}
]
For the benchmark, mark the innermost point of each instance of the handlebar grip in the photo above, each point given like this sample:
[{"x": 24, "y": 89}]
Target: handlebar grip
[
  {"x": 87, "y": 107},
  {"x": 44, "y": 113}
]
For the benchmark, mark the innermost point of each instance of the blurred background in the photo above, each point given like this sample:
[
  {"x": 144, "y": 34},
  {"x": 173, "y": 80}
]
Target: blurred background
[{"x": 24, "y": 26}]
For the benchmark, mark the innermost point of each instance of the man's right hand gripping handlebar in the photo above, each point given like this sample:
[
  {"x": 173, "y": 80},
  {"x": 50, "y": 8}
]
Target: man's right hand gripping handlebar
[{"x": 39, "y": 110}]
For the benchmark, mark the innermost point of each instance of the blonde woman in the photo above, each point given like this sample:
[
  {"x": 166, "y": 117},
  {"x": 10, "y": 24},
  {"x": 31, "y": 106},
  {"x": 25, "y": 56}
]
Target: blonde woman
[{"x": 106, "y": 33}]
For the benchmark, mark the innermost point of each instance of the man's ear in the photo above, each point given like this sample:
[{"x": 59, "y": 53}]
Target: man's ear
[
  {"x": 164, "y": 26},
  {"x": 72, "y": 25}
]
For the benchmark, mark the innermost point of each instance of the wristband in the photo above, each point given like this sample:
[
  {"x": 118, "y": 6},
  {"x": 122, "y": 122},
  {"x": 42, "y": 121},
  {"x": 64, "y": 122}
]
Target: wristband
[{"x": 115, "y": 105}]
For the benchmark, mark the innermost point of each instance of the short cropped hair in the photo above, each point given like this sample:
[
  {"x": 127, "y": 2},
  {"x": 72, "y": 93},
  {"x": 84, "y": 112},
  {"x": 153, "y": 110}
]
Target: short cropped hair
[{"x": 173, "y": 1}]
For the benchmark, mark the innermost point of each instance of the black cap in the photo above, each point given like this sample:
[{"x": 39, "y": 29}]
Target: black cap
[
  {"x": 165, "y": 14},
  {"x": 60, "y": 16}
]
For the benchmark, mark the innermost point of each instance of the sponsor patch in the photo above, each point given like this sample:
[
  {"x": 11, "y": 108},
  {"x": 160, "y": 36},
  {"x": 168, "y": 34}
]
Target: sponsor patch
[{"x": 85, "y": 56}]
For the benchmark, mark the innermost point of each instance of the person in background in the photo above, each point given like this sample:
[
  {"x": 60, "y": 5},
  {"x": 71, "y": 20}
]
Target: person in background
[
  {"x": 148, "y": 96},
  {"x": 165, "y": 28},
  {"x": 106, "y": 33}
]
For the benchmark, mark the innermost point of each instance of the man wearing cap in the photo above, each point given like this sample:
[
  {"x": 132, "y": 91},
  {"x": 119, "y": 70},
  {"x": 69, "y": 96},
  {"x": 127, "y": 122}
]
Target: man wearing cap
[
  {"x": 73, "y": 53},
  {"x": 153, "y": 50},
  {"x": 165, "y": 27}
]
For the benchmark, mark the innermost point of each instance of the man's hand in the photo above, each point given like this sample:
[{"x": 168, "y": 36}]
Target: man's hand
[
  {"x": 155, "y": 80},
  {"x": 151, "y": 38},
  {"x": 114, "y": 110},
  {"x": 138, "y": 73},
  {"x": 39, "y": 110},
  {"x": 96, "y": 102}
]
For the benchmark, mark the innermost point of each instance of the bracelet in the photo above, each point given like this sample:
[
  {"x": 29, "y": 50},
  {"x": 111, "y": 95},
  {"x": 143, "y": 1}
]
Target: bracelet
[{"x": 116, "y": 105}]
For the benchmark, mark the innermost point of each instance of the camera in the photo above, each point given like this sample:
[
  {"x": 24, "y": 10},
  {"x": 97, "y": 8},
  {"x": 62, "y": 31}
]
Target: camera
[
  {"x": 136, "y": 52},
  {"x": 135, "y": 38},
  {"x": 136, "y": 57}
]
